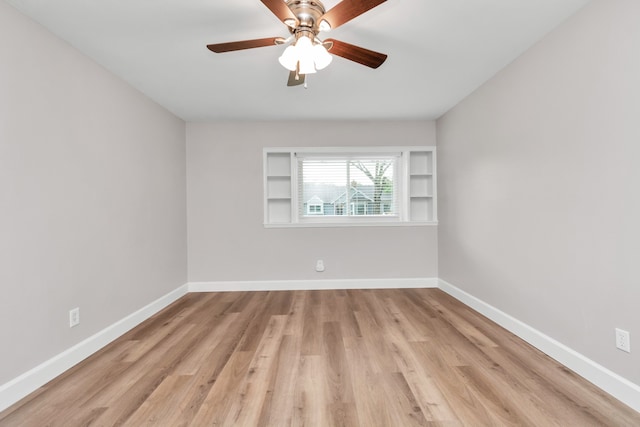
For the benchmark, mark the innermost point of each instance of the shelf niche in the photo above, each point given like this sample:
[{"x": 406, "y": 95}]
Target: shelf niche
[
  {"x": 278, "y": 187},
  {"x": 422, "y": 206}
]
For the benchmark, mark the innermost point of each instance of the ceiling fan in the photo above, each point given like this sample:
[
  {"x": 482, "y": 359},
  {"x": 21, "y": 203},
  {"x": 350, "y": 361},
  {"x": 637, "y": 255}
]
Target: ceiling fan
[{"x": 306, "y": 53}]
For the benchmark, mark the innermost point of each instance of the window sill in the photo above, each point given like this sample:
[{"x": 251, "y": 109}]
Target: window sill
[{"x": 350, "y": 224}]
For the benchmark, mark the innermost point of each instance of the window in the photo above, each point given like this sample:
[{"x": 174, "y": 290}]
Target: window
[{"x": 349, "y": 186}]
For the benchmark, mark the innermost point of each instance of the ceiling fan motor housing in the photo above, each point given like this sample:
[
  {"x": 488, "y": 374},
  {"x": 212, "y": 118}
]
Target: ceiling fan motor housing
[{"x": 308, "y": 14}]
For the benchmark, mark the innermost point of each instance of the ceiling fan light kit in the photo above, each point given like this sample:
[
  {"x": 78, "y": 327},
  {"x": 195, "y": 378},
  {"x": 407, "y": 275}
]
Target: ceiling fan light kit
[
  {"x": 305, "y": 19},
  {"x": 305, "y": 56}
]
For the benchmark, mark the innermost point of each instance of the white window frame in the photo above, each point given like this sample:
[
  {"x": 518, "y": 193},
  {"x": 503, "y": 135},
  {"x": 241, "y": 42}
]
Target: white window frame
[{"x": 414, "y": 208}]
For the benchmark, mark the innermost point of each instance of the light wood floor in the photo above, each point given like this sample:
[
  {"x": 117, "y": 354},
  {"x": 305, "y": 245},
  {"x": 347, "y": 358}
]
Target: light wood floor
[{"x": 319, "y": 358}]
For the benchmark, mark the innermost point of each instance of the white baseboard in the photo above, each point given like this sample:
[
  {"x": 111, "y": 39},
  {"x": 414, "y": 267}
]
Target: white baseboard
[
  {"x": 617, "y": 386},
  {"x": 294, "y": 285},
  {"x": 35, "y": 378}
]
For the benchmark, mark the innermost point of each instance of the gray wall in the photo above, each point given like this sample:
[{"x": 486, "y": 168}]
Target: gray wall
[
  {"x": 92, "y": 196},
  {"x": 539, "y": 191},
  {"x": 227, "y": 239}
]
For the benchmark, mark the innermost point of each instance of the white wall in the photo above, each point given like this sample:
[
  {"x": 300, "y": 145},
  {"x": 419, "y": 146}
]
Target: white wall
[
  {"x": 92, "y": 196},
  {"x": 539, "y": 191},
  {"x": 227, "y": 239}
]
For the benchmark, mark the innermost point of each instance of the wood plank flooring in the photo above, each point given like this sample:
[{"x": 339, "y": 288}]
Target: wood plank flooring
[{"x": 408, "y": 357}]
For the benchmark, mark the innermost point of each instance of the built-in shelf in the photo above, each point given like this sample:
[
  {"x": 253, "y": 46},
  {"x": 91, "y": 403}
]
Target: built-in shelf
[
  {"x": 279, "y": 211},
  {"x": 278, "y": 164},
  {"x": 421, "y": 209},
  {"x": 421, "y": 162},
  {"x": 278, "y": 187},
  {"x": 422, "y": 188}
]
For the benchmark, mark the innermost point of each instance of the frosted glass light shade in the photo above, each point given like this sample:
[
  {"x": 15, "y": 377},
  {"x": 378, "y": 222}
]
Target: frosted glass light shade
[
  {"x": 289, "y": 58},
  {"x": 305, "y": 56},
  {"x": 304, "y": 44},
  {"x": 304, "y": 49},
  {"x": 322, "y": 58},
  {"x": 306, "y": 66}
]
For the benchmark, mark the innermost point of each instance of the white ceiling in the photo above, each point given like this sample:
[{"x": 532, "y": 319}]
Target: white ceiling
[{"x": 439, "y": 52}]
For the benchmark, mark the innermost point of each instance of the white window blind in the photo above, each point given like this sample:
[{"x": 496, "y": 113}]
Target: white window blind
[{"x": 347, "y": 186}]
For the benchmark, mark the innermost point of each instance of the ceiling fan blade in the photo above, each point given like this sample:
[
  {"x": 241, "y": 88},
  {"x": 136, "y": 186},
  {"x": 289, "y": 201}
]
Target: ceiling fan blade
[
  {"x": 357, "y": 54},
  {"x": 346, "y": 10},
  {"x": 293, "y": 81},
  {"x": 244, "y": 44},
  {"x": 280, "y": 9}
]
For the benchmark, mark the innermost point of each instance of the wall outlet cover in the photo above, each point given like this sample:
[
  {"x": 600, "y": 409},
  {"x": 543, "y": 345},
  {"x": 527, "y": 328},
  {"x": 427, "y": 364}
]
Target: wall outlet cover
[
  {"x": 623, "y": 340},
  {"x": 74, "y": 317}
]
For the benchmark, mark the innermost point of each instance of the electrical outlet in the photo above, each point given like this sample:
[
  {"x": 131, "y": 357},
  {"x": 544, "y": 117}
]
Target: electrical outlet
[
  {"x": 623, "y": 340},
  {"x": 320, "y": 266},
  {"x": 74, "y": 317}
]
